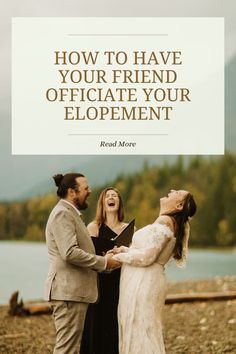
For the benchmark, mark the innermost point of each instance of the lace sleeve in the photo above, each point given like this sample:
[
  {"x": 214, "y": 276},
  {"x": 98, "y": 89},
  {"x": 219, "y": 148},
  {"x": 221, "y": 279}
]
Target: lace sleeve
[{"x": 143, "y": 257}]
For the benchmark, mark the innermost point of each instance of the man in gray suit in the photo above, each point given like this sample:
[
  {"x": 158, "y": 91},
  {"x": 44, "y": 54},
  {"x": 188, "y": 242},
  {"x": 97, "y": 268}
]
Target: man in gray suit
[{"x": 73, "y": 265}]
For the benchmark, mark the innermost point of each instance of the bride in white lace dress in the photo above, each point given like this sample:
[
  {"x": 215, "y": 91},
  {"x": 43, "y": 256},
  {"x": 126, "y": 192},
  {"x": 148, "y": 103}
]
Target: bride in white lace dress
[{"x": 142, "y": 283}]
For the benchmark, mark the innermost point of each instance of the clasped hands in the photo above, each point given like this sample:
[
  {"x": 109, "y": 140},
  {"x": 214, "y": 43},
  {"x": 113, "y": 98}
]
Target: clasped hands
[{"x": 112, "y": 263}]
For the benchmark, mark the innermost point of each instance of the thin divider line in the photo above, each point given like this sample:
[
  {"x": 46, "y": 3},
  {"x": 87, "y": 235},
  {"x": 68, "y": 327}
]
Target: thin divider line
[
  {"x": 74, "y": 134},
  {"x": 117, "y": 34}
]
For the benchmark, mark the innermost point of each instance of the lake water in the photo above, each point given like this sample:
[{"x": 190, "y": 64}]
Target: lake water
[{"x": 24, "y": 266}]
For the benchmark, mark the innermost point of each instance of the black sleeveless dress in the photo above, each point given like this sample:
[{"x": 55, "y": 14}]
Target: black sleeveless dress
[{"x": 100, "y": 334}]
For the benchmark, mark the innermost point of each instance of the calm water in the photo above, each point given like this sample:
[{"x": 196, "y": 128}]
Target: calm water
[{"x": 23, "y": 267}]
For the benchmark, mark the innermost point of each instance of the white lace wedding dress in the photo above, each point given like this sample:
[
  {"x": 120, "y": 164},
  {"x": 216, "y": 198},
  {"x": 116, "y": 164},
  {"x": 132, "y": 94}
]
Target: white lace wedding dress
[{"x": 142, "y": 290}]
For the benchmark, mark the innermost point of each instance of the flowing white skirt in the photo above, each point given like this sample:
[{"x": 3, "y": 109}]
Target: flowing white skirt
[{"x": 141, "y": 301}]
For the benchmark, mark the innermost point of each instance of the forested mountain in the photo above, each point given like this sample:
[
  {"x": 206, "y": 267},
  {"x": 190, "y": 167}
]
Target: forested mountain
[{"x": 211, "y": 181}]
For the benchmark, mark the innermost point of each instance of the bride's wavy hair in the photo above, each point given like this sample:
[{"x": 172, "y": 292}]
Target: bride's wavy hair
[
  {"x": 180, "y": 218},
  {"x": 100, "y": 217}
]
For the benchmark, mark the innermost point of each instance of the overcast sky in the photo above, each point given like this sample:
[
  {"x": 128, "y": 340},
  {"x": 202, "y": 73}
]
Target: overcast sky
[{"x": 77, "y": 8}]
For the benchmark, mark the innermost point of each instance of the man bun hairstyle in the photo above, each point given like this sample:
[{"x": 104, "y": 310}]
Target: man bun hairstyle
[
  {"x": 57, "y": 179},
  {"x": 64, "y": 182}
]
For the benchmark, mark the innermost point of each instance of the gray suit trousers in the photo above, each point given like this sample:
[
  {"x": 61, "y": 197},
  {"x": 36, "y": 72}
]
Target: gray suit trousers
[{"x": 69, "y": 317}]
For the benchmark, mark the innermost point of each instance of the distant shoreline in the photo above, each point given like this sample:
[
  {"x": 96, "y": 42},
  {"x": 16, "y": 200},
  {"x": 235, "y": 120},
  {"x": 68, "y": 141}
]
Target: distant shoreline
[{"x": 199, "y": 248}]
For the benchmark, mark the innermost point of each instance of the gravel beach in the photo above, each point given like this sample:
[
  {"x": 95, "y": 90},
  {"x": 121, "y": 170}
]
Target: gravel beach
[{"x": 189, "y": 328}]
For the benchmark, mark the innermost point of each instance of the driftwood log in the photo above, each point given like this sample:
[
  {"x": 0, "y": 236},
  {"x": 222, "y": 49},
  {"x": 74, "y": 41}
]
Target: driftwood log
[
  {"x": 212, "y": 296},
  {"x": 19, "y": 309}
]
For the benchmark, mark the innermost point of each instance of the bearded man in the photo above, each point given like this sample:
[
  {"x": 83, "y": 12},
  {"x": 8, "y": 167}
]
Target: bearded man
[{"x": 73, "y": 265}]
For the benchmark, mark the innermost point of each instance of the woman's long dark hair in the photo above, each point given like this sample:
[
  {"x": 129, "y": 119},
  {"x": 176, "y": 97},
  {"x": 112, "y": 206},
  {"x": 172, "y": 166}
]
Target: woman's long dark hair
[{"x": 179, "y": 218}]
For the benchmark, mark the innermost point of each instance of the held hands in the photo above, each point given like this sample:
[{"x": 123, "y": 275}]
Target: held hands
[
  {"x": 115, "y": 253},
  {"x": 111, "y": 263},
  {"x": 117, "y": 250}
]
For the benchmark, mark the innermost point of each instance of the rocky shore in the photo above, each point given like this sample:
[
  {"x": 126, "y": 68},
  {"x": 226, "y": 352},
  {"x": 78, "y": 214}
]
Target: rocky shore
[{"x": 189, "y": 328}]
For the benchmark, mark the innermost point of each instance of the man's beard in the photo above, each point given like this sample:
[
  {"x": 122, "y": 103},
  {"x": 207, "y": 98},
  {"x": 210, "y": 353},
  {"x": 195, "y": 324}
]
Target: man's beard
[{"x": 79, "y": 205}]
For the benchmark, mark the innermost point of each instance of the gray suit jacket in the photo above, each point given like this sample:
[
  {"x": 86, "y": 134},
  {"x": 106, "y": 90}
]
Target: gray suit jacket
[{"x": 73, "y": 264}]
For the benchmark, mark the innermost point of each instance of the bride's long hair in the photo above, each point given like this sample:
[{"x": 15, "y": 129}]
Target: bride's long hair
[{"x": 180, "y": 219}]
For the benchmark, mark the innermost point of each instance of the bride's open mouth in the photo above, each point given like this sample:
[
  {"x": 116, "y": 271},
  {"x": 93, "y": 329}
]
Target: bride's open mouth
[{"x": 111, "y": 203}]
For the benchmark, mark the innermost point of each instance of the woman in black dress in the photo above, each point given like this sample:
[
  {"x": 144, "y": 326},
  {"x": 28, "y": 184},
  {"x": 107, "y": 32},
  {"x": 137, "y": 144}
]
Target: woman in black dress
[{"x": 101, "y": 327}]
